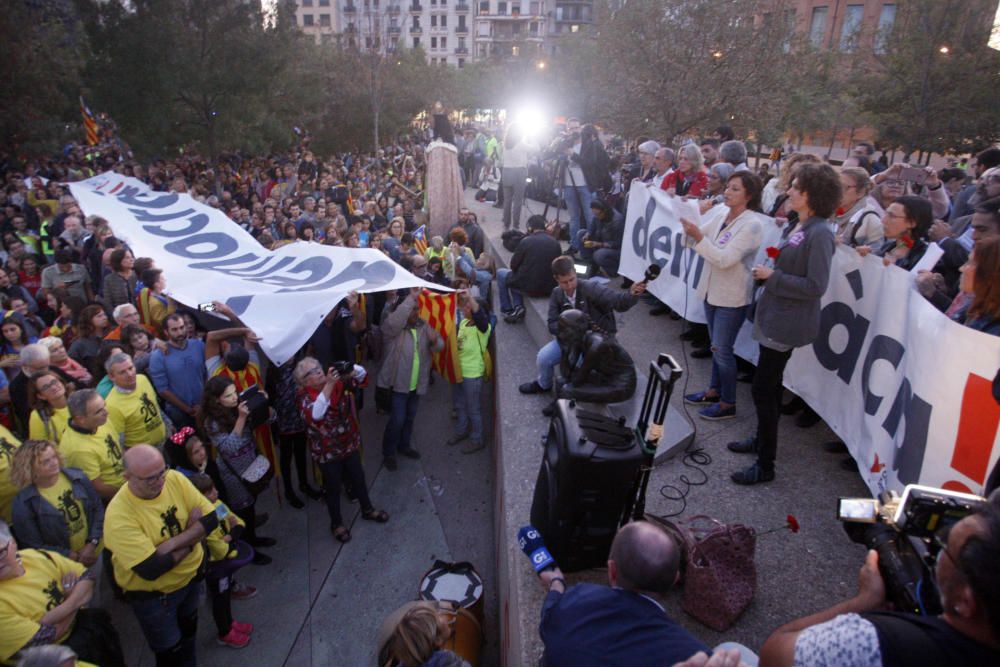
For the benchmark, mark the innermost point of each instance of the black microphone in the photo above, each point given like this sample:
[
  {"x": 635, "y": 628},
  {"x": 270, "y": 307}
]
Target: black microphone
[{"x": 652, "y": 273}]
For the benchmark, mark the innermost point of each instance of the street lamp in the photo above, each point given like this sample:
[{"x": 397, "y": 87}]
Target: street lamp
[
  {"x": 944, "y": 50},
  {"x": 540, "y": 64}
]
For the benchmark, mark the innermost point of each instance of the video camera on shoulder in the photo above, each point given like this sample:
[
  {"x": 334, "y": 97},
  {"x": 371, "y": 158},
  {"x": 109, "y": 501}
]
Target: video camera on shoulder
[{"x": 908, "y": 532}]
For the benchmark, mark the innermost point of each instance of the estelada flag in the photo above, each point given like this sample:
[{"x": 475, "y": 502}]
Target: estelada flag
[
  {"x": 439, "y": 310},
  {"x": 89, "y": 123},
  {"x": 420, "y": 239}
]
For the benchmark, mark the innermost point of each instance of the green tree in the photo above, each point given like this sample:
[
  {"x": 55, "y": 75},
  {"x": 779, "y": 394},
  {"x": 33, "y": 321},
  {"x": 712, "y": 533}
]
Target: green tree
[
  {"x": 209, "y": 72},
  {"x": 41, "y": 56},
  {"x": 934, "y": 79}
]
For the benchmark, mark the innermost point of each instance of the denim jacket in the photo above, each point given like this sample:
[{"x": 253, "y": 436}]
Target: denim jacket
[{"x": 39, "y": 525}]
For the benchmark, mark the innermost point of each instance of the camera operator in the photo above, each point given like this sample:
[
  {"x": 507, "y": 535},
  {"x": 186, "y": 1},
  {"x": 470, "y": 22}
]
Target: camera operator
[
  {"x": 855, "y": 632},
  {"x": 621, "y": 624},
  {"x": 583, "y": 170}
]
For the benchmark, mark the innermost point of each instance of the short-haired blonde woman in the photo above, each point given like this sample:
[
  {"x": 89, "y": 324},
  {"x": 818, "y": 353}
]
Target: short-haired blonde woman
[
  {"x": 858, "y": 219},
  {"x": 415, "y": 635},
  {"x": 690, "y": 178}
]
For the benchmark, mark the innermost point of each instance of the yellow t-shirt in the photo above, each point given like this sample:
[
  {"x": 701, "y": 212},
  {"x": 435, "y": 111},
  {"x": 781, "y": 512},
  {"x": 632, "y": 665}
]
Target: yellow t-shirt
[
  {"x": 60, "y": 495},
  {"x": 134, "y": 527},
  {"x": 218, "y": 547},
  {"x": 25, "y": 599},
  {"x": 97, "y": 455},
  {"x": 56, "y": 426},
  {"x": 8, "y": 444},
  {"x": 472, "y": 344},
  {"x": 136, "y": 414}
]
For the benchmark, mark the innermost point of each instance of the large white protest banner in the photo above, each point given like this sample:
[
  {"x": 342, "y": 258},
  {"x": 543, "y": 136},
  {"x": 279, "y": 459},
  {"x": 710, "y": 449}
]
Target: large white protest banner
[
  {"x": 906, "y": 388},
  {"x": 283, "y": 295}
]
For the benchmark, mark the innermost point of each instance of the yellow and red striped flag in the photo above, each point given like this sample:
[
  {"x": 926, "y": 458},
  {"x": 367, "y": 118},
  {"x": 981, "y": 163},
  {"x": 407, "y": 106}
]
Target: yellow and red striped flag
[
  {"x": 438, "y": 310},
  {"x": 89, "y": 123},
  {"x": 420, "y": 239}
]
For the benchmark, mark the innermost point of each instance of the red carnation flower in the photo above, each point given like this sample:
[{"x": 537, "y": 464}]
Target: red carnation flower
[
  {"x": 793, "y": 523},
  {"x": 841, "y": 210},
  {"x": 773, "y": 252}
]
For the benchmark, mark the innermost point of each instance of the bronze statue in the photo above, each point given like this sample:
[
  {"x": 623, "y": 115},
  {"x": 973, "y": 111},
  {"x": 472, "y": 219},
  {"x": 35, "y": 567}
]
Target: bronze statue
[{"x": 594, "y": 367}]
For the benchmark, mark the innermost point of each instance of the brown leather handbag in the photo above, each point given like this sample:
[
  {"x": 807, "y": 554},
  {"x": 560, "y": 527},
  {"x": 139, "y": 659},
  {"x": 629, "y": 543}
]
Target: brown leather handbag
[{"x": 718, "y": 569}]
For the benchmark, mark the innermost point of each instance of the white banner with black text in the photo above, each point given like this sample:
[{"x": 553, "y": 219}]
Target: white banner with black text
[
  {"x": 282, "y": 295},
  {"x": 908, "y": 390}
]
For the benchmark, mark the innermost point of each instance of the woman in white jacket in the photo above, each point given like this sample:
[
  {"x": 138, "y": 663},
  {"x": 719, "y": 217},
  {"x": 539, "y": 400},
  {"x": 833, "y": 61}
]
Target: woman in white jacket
[{"x": 728, "y": 240}]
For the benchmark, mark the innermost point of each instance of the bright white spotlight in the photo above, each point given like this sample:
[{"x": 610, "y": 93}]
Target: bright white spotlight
[{"x": 532, "y": 121}]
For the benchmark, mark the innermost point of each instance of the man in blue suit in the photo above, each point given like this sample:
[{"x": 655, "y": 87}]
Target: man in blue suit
[{"x": 623, "y": 623}]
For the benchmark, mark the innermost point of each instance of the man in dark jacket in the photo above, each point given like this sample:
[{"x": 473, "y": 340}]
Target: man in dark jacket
[
  {"x": 467, "y": 221},
  {"x": 530, "y": 270},
  {"x": 601, "y": 242},
  {"x": 597, "y": 301}
]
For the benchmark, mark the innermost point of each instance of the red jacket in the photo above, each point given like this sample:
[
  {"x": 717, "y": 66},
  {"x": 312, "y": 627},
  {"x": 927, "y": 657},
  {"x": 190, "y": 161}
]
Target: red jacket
[{"x": 698, "y": 184}]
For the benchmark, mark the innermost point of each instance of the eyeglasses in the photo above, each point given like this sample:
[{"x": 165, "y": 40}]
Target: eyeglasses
[
  {"x": 313, "y": 371},
  {"x": 49, "y": 386},
  {"x": 892, "y": 182},
  {"x": 154, "y": 478}
]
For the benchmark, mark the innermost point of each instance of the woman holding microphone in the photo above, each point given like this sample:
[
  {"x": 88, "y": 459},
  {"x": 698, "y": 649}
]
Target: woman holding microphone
[{"x": 728, "y": 240}]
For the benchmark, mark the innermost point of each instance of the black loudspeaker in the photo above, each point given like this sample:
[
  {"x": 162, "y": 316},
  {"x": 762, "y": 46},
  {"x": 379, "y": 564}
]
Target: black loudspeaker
[{"x": 586, "y": 479}]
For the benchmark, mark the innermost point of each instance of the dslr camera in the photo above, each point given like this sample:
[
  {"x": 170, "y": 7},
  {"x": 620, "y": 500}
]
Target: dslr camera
[
  {"x": 907, "y": 532},
  {"x": 343, "y": 368}
]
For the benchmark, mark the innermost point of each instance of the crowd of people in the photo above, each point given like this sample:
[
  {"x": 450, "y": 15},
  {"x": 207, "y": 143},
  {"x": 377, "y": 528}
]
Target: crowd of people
[
  {"x": 136, "y": 438},
  {"x": 138, "y": 433}
]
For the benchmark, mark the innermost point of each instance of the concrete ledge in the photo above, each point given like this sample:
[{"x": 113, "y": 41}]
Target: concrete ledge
[{"x": 519, "y": 430}]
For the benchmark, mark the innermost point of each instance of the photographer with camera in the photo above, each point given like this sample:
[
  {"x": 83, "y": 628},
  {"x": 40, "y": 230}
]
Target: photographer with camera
[
  {"x": 857, "y": 633},
  {"x": 619, "y": 624},
  {"x": 582, "y": 170}
]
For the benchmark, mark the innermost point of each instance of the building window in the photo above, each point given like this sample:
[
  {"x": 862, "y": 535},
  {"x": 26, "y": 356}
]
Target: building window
[
  {"x": 307, "y": 19},
  {"x": 886, "y": 21},
  {"x": 444, "y": 21},
  {"x": 461, "y": 63},
  {"x": 434, "y": 42},
  {"x": 850, "y": 29},
  {"x": 444, "y": 42},
  {"x": 533, "y": 28},
  {"x": 534, "y": 9},
  {"x": 461, "y": 22},
  {"x": 502, "y": 8},
  {"x": 434, "y": 20},
  {"x": 324, "y": 3},
  {"x": 484, "y": 8},
  {"x": 789, "y": 30},
  {"x": 324, "y": 20},
  {"x": 461, "y": 42},
  {"x": 817, "y": 26},
  {"x": 307, "y": 3},
  {"x": 416, "y": 42}
]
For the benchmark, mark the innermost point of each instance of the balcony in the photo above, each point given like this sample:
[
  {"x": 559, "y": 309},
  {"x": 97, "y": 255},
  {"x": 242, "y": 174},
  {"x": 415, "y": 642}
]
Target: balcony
[
  {"x": 461, "y": 30},
  {"x": 461, "y": 51},
  {"x": 416, "y": 8},
  {"x": 351, "y": 29},
  {"x": 350, "y": 9},
  {"x": 394, "y": 30},
  {"x": 394, "y": 10},
  {"x": 462, "y": 7}
]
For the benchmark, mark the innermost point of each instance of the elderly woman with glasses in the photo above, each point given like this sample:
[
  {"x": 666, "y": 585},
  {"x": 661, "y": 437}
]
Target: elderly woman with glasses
[
  {"x": 57, "y": 508},
  {"x": 326, "y": 401}
]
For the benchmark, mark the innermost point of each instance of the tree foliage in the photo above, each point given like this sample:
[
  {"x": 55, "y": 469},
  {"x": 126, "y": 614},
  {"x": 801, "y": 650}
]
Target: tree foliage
[
  {"x": 40, "y": 63},
  {"x": 934, "y": 88}
]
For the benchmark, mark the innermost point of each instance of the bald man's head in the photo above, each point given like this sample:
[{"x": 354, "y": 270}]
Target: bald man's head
[
  {"x": 145, "y": 471},
  {"x": 644, "y": 558}
]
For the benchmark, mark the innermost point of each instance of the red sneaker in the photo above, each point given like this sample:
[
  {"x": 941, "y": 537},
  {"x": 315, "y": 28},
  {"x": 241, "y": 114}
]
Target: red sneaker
[
  {"x": 242, "y": 628},
  {"x": 234, "y": 639}
]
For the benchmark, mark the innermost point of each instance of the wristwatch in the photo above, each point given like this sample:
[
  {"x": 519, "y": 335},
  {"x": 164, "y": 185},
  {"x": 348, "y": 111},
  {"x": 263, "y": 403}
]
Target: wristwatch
[{"x": 94, "y": 541}]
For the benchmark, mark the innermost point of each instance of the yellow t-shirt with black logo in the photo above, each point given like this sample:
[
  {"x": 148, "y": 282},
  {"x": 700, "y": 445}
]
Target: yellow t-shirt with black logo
[
  {"x": 218, "y": 547},
  {"x": 56, "y": 426},
  {"x": 8, "y": 445},
  {"x": 134, "y": 527},
  {"x": 97, "y": 455},
  {"x": 60, "y": 495},
  {"x": 136, "y": 414},
  {"x": 25, "y": 599}
]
